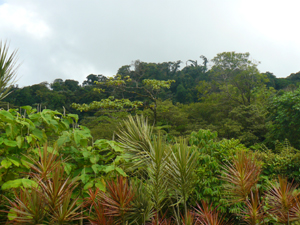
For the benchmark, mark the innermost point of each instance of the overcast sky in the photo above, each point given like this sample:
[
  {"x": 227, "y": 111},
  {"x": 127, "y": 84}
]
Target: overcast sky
[{"x": 71, "y": 39}]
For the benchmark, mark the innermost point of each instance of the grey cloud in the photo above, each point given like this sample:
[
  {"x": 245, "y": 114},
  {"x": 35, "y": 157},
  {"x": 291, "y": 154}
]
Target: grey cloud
[{"x": 98, "y": 36}]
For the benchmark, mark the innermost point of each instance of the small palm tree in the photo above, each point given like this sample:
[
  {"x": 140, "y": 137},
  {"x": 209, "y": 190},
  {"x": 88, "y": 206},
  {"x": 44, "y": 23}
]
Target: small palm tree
[{"x": 8, "y": 69}]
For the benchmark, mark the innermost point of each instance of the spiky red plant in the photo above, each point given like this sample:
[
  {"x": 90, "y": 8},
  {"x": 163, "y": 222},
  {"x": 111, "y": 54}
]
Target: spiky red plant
[
  {"x": 190, "y": 219},
  {"x": 253, "y": 213},
  {"x": 51, "y": 201},
  {"x": 207, "y": 215},
  {"x": 117, "y": 199},
  {"x": 242, "y": 174},
  {"x": 161, "y": 221},
  {"x": 27, "y": 207},
  {"x": 282, "y": 200},
  {"x": 96, "y": 209},
  {"x": 46, "y": 163}
]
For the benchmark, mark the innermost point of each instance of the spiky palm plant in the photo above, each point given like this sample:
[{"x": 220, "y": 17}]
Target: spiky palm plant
[
  {"x": 149, "y": 153},
  {"x": 57, "y": 192},
  {"x": 96, "y": 210},
  {"x": 117, "y": 200},
  {"x": 189, "y": 219},
  {"x": 8, "y": 69},
  {"x": 157, "y": 172},
  {"x": 283, "y": 200},
  {"x": 52, "y": 196},
  {"x": 253, "y": 212},
  {"x": 28, "y": 207},
  {"x": 47, "y": 162},
  {"x": 241, "y": 176},
  {"x": 142, "y": 206},
  {"x": 135, "y": 137},
  {"x": 207, "y": 215},
  {"x": 181, "y": 172}
]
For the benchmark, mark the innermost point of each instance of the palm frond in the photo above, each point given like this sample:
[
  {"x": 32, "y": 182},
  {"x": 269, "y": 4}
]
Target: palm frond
[
  {"x": 8, "y": 69},
  {"x": 135, "y": 137},
  {"x": 181, "y": 170}
]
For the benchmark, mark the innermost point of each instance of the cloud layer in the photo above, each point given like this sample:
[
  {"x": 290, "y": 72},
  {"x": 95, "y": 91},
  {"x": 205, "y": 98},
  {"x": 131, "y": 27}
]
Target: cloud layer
[{"x": 70, "y": 39}]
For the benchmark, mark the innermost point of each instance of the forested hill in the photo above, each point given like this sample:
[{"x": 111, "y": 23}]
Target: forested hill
[{"x": 229, "y": 96}]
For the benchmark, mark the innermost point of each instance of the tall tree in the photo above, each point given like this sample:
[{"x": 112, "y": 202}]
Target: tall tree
[{"x": 235, "y": 77}]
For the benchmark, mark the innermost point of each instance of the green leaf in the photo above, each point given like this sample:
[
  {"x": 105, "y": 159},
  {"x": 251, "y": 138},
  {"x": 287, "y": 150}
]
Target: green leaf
[
  {"x": 121, "y": 172},
  {"x": 68, "y": 168},
  {"x": 11, "y": 215},
  {"x": 6, "y": 115},
  {"x": 25, "y": 162},
  {"x": 20, "y": 141},
  {"x": 77, "y": 137},
  {"x": 27, "y": 108},
  {"x": 6, "y": 163},
  {"x": 84, "y": 177},
  {"x": 97, "y": 168},
  {"x": 83, "y": 142},
  {"x": 14, "y": 160},
  {"x": 19, "y": 183},
  {"x": 29, "y": 183},
  {"x": 88, "y": 185},
  {"x": 74, "y": 116},
  {"x": 94, "y": 159},
  {"x": 118, "y": 159},
  {"x": 115, "y": 146},
  {"x": 63, "y": 139},
  {"x": 10, "y": 143},
  {"x": 86, "y": 154},
  {"x": 100, "y": 185},
  {"x": 110, "y": 168},
  {"x": 38, "y": 133},
  {"x": 29, "y": 139}
]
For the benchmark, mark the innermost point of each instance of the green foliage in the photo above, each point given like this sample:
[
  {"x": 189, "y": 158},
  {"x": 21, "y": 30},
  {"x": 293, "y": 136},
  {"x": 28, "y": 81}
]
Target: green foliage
[
  {"x": 20, "y": 133},
  {"x": 110, "y": 103},
  {"x": 283, "y": 160},
  {"x": 235, "y": 76},
  {"x": 212, "y": 155},
  {"x": 49, "y": 201},
  {"x": 284, "y": 114}
]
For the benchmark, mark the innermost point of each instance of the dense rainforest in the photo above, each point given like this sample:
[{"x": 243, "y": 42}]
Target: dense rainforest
[
  {"x": 222, "y": 99},
  {"x": 201, "y": 142}
]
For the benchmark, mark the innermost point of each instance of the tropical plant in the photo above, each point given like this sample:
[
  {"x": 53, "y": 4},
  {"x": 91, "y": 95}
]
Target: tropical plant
[
  {"x": 150, "y": 154},
  {"x": 28, "y": 207},
  {"x": 95, "y": 209},
  {"x": 142, "y": 207},
  {"x": 181, "y": 171},
  {"x": 252, "y": 212},
  {"x": 242, "y": 174},
  {"x": 117, "y": 200},
  {"x": 283, "y": 201},
  {"x": 207, "y": 215},
  {"x": 50, "y": 200},
  {"x": 8, "y": 69}
]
